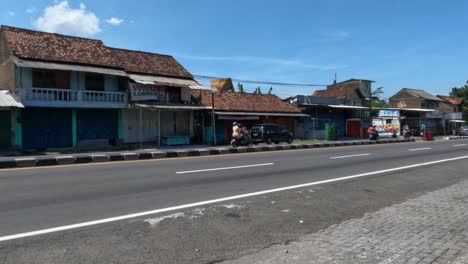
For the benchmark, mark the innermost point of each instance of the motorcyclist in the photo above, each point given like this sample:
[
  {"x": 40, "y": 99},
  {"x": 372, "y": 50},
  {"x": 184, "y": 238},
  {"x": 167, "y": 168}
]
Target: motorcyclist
[
  {"x": 235, "y": 131},
  {"x": 372, "y": 132},
  {"x": 406, "y": 131}
]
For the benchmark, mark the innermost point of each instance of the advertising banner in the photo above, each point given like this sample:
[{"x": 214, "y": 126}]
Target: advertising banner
[{"x": 144, "y": 92}]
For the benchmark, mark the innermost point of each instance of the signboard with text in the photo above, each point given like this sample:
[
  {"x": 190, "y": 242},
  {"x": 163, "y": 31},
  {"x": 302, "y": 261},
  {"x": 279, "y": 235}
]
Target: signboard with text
[
  {"x": 144, "y": 92},
  {"x": 388, "y": 113}
]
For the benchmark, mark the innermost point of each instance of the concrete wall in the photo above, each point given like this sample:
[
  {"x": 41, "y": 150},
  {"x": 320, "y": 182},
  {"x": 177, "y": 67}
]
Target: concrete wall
[{"x": 7, "y": 76}]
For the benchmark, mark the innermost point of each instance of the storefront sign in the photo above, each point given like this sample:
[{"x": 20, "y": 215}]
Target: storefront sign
[
  {"x": 388, "y": 113},
  {"x": 144, "y": 92},
  {"x": 386, "y": 127}
]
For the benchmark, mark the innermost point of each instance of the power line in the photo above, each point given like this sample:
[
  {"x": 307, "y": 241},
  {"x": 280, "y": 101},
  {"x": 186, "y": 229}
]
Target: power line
[{"x": 263, "y": 82}]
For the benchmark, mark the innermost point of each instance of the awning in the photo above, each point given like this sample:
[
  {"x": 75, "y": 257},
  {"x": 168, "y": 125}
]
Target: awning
[
  {"x": 259, "y": 114},
  {"x": 231, "y": 117},
  {"x": 348, "y": 107},
  {"x": 405, "y": 109},
  {"x": 172, "y": 107},
  {"x": 8, "y": 100},
  {"x": 66, "y": 67},
  {"x": 169, "y": 81}
]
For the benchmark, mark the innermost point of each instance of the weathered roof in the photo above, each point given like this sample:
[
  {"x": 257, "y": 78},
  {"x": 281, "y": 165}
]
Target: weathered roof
[
  {"x": 245, "y": 102},
  {"x": 149, "y": 63},
  {"x": 450, "y": 99},
  {"x": 35, "y": 45},
  {"x": 8, "y": 100},
  {"x": 421, "y": 94},
  {"x": 340, "y": 90}
]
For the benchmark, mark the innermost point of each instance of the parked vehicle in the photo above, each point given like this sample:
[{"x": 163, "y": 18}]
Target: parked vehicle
[
  {"x": 269, "y": 133},
  {"x": 463, "y": 131}
]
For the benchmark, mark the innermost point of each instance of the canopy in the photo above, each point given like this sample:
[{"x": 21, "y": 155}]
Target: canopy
[
  {"x": 8, "y": 100},
  {"x": 67, "y": 67},
  {"x": 168, "y": 81},
  {"x": 259, "y": 114}
]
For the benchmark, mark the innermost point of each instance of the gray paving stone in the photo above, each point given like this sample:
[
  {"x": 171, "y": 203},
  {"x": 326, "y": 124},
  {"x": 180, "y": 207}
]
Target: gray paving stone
[{"x": 432, "y": 228}]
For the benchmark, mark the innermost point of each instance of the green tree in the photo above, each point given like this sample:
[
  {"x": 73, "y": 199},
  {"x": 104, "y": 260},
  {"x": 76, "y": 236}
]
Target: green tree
[
  {"x": 240, "y": 88},
  {"x": 461, "y": 92},
  {"x": 376, "y": 100},
  {"x": 270, "y": 91}
]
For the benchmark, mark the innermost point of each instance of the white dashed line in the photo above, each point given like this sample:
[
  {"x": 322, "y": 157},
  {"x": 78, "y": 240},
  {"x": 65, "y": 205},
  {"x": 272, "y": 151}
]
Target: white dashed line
[
  {"x": 351, "y": 156},
  {"x": 226, "y": 168},
  {"x": 459, "y": 145},
  {"x": 418, "y": 149}
]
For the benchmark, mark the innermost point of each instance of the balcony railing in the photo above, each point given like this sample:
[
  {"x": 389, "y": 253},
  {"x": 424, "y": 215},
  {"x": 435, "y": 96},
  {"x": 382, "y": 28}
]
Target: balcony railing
[{"x": 72, "y": 98}]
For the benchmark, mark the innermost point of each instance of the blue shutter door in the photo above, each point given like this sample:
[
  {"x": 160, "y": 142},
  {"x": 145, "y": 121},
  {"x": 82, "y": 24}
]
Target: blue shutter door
[
  {"x": 97, "y": 124},
  {"x": 46, "y": 128}
]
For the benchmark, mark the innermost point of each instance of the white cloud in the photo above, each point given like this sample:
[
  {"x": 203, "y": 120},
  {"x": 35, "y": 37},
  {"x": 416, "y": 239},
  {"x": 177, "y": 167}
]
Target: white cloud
[
  {"x": 11, "y": 13},
  {"x": 61, "y": 18},
  {"x": 31, "y": 10},
  {"x": 336, "y": 35},
  {"x": 114, "y": 21},
  {"x": 264, "y": 61}
]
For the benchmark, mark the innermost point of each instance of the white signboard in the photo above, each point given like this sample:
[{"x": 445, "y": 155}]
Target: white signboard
[
  {"x": 388, "y": 113},
  {"x": 144, "y": 92}
]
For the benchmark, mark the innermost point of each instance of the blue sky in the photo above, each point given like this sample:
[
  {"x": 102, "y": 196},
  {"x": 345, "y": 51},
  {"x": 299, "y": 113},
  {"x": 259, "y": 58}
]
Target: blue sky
[{"x": 399, "y": 43}]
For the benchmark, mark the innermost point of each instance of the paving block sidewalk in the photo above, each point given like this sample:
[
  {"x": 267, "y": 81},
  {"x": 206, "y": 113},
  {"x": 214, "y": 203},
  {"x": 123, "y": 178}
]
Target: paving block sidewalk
[
  {"x": 72, "y": 158},
  {"x": 432, "y": 228}
]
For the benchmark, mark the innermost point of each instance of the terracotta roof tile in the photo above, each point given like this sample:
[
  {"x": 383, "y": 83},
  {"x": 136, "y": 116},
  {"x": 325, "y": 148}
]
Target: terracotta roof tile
[
  {"x": 452, "y": 100},
  {"x": 340, "y": 90},
  {"x": 245, "y": 102},
  {"x": 36, "y": 45}
]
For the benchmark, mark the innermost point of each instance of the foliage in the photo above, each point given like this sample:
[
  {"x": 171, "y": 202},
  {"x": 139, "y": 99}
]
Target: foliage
[
  {"x": 376, "y": 100},
  {"x": 240, "y": 88},
  {"x": 461, "y": 92},
  {"x": 258, "y": 90}
]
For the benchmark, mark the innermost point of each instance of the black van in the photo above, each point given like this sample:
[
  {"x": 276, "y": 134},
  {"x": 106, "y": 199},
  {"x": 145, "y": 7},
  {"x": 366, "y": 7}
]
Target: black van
[{"x": 270, "y": 133}]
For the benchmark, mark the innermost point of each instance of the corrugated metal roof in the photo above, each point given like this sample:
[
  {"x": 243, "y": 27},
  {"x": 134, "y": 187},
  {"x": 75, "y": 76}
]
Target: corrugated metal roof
[
  {"x": 258, "y": 114},
  {"x": 8, "y": 100},
  {"x": 147, "y": 79},
  {"x": 66, "y": 67}
]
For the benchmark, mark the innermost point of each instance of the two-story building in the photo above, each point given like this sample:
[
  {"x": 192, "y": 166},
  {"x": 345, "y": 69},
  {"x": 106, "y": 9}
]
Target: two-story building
[
  {"x": 76, "y": 90},
  {"x": 350, "y": 109},
  {"x": 419, "y": 107}
]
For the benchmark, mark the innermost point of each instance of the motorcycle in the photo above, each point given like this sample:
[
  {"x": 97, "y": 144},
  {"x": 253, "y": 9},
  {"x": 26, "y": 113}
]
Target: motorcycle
[
  {"x": 241, "y": 142},
  {"x": 374, "y": 136}
]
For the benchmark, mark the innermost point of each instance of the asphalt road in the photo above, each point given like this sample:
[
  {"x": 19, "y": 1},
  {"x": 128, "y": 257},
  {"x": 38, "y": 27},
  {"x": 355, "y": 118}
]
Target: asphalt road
[{"x": 40, "y": 198}]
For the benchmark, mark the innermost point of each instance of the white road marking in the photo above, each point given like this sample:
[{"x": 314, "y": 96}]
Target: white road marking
[
  {"x": 226, "y": 168},
  {"x": 351, "y": 156},
  {"x": 418, "y": 149},
  {"x": 459, "y": 145},
  {"x": 224, "y": 199}
]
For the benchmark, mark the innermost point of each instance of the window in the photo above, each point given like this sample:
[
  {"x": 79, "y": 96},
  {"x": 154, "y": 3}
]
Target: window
[
  {"x": 44, "y": 79},
  {"x": 94, "y": 82}
]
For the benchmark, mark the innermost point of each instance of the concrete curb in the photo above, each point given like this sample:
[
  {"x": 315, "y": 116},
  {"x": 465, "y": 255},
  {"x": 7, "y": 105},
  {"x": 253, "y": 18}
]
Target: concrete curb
[
  {"x": 455, "y": 137},
  {"x": 79, "y": 159}
]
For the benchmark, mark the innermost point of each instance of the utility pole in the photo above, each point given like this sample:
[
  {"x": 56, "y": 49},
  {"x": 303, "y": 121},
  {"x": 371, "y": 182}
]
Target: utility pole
[{"x": 213, "y": 119}]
